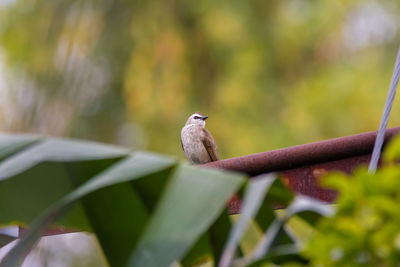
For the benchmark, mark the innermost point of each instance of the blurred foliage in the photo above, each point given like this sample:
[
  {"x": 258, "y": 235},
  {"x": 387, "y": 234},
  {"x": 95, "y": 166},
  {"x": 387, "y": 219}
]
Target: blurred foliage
[
  {"x": 269, "y": 74},
  {"x": 106, "y": 180},
  {"x": 366, "y": 228},
  {"x": 132, "y": 202}
]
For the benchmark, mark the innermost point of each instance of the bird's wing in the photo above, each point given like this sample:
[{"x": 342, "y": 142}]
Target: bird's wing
[
  {"x": 209, "y": 144},
  {"x": 182, "y": 146}
]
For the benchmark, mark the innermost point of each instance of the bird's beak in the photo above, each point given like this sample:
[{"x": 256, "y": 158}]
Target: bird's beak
[{"x": 204, "y": 118}]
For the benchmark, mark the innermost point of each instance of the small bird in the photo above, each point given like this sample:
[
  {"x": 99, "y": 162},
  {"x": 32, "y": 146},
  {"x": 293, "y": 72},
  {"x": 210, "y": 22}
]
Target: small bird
[{"x": 198, "y": 143}]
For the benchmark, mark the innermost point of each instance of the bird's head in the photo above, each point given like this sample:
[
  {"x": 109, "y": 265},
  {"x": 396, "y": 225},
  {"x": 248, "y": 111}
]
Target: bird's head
[{"x": 197, "y": 118}]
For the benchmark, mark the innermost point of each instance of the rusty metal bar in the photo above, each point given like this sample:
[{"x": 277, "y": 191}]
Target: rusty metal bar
[
  {"x": 303, "y": 155},
  {"x": 305, "y": 179},
  {"x": 301, "y": 167}
]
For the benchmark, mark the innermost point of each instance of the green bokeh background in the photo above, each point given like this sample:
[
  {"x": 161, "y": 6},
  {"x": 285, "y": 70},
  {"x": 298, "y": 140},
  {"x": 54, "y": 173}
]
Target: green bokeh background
[{"x": 269, "y": 74}]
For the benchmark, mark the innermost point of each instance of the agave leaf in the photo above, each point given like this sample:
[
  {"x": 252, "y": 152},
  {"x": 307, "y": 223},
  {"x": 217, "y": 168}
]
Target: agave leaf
[
  {"x": 134, "y": 167},
  {"x": 253, "y": 198},
  {"x": 299, "y": 204},
  {"x": 10, "y": 143},
  {"x": 174, "y": 222},
  {"x": 57, "y": 150},
  {"x": 7, "y": 235},
  {"x": 191, "y": 202}
]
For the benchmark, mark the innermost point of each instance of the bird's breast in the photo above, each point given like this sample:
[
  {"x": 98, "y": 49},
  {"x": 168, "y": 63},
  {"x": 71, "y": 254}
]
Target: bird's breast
[{"x": 193, "y": 146}]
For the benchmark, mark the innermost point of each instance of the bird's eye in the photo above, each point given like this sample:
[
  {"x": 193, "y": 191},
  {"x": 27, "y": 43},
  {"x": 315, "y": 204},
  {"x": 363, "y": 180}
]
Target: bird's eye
[{"x": 196, "y": 117}]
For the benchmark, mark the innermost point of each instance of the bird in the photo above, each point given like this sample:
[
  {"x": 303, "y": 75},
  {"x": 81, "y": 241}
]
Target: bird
[{"x": 197, "y": 142}]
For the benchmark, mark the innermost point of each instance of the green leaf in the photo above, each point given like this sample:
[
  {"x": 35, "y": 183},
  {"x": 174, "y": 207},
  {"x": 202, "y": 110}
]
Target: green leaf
[
  {"x": 40, "y": 187},
  {"x": 299, "y": 204},
  {"x": 116, "y": 209},
  {"x": 134, "y": 167},
  {"x": 250, "y": 238},
  {"x": 200, "y": 253},
  {"x": 6, "y": 239},
  {"x": 199, "y": 188},
  {"x": 304, "y": 204},
  {"x": 392, "y": 150},
  {"x": 208, "y": 249},
  {"x": 10, "y": 144},
  {"x": 57, "y": 150},
  {"x": 8, "y": 235},
  {"x": 301, "y": 230},
  {"x": 145, "y": 206},
  {"x": 254, "y": 196},
  {"x": 191, "y": 202},
  {"x": 17, "y": 254},
  {"x": 137, "y": 165},
  {"x": 119, "y": 213},
  {"x": 219, "y": 234},
  {"x": 284, "y": 254},
  {"x": 280, "y": 195}
]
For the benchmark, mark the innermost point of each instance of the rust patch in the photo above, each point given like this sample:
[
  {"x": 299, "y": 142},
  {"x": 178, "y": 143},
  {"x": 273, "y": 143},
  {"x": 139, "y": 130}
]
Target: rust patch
[{"x": 285, "y": 180}]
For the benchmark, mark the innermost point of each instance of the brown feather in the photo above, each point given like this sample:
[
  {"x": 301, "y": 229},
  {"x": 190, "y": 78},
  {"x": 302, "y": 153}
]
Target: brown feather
[{"x": 209, "y": 144}]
